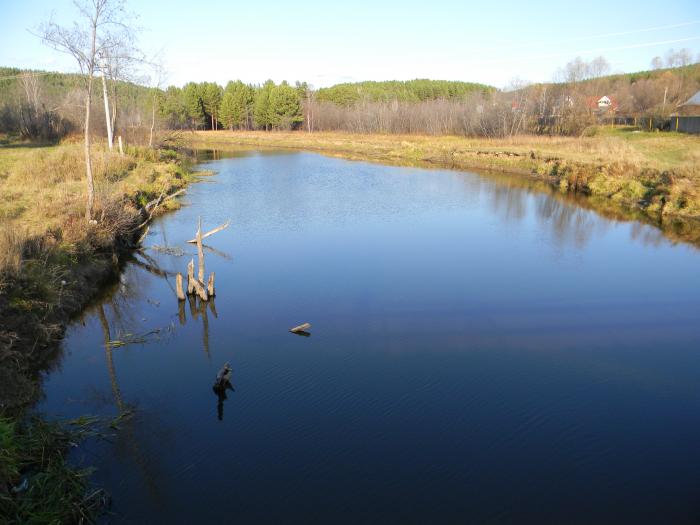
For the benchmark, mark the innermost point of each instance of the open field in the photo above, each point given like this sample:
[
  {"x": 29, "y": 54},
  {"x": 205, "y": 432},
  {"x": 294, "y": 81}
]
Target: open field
[{"x": 657, "y": 173}]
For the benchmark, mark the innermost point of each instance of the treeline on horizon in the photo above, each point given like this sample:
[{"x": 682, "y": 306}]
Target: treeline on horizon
[
  {"x": 418, "y": 90},
  {"x": 38, "y": 104},
  {"x": 271, "y": 106}
]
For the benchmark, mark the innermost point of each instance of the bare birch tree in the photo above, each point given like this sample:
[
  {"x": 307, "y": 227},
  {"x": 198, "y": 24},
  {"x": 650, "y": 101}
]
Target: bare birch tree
[{"x": 100, "y": 27}]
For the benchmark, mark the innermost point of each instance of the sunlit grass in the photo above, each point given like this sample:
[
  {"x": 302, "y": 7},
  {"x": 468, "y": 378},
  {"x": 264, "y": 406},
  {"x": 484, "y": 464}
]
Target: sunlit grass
[
  {"x": 658, "y": 172},
  {"x": 43, "y": 192}
]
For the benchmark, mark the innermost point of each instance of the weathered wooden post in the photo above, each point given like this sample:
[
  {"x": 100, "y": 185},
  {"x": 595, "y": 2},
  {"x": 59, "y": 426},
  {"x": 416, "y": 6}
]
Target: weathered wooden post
[
  {"x": 190, "y": 277},
  {"x": 201, "y": 291},
  {"x": 178, "y": 286},
  {"x": 210, "y": 285},
  {"x": 200, "y": 252},
  {"x": 121, "y": 147},
  {"x": 204, "y": 289}
]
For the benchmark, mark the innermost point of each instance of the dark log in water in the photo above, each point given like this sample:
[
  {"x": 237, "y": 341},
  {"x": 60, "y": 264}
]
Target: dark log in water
[{"x": 223, "y": 378}]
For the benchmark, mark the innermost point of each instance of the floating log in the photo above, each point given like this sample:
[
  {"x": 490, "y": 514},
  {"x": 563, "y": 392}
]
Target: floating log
[
  {"x": 212, "y": 232},
  {"x": 223, "y": 378},
  {"x": 190, "y": 277},
  {"x": 301, "y": 328},
  {"x": 178, "y": 286},
  {"x": 210, "y": 285}
]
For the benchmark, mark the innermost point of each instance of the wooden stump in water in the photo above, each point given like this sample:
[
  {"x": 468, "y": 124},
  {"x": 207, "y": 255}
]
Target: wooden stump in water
[
  {"x": 190, "y": 277},
  {"x": 210, "y": 285},
  {"x": 200, "y": 252},
  {"x": 199, "y": 288},
  {"x": 180, "y": 292}
]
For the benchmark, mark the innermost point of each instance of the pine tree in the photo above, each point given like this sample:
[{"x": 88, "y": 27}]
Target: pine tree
[
  {"x": 194, "y": 104},
  {"x": 211, "y": 94},
  {"x": 285, "y": 107},
  {"x": 228, "y": 112},
  {"x": 261, "y": 110},
  {"x": 172, "y": 107}
]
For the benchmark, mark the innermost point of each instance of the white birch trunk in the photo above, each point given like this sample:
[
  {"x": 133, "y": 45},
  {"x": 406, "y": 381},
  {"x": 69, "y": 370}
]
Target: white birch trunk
[{"x": 108, "y": 119}]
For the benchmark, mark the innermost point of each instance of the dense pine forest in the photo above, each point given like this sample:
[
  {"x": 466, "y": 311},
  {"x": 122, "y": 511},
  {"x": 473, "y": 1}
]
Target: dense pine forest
[{"x": 46, "y": 105}]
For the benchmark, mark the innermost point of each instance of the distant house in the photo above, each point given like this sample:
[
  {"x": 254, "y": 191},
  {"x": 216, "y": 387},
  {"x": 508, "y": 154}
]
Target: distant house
[
  {"x": 691, "y": 107},
  {"x": 601, "y": 104}
]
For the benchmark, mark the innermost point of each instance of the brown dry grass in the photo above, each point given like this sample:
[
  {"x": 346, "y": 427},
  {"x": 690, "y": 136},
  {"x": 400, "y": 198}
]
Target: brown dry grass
[
  {"x": 659, "y": 151},
  {"x": 43, "y": 192},
  {"x": 658, "y": 173}
]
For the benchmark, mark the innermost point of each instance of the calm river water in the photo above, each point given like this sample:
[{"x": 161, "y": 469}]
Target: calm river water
[{"x": 481, "y": 352}]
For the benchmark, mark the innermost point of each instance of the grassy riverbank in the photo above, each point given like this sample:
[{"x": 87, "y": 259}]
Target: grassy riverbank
[
  {"x": 653, "y": 175},
  {"x": 52, "y": 263}
]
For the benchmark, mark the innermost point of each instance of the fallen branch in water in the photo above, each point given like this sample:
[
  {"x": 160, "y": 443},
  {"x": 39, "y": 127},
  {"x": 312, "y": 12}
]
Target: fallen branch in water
[
  {"x": 175, "y": 251},
  {"x": 150, "y": 208},
  {"x": 128, "y": 339},
  {"x": 212, "y": 232}
]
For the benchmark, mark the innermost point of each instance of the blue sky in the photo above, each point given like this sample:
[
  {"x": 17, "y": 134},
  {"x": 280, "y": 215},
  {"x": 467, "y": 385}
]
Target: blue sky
[{"x": 329, "y": 42}]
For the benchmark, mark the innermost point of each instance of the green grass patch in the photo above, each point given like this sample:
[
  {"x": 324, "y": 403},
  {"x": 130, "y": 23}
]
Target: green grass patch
[{"x": 37, "y": 485}]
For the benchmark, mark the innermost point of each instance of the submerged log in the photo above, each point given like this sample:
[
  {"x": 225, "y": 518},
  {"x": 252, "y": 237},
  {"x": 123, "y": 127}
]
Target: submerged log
[
  {"x": 178, "y": 286},
  {"x": 301, "y": 328}
]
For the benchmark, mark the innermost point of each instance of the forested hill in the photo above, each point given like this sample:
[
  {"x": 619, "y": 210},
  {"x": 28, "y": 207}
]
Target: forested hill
[
  {"x": 417, "y": 90},
  {"x": 56, "y": 86}
]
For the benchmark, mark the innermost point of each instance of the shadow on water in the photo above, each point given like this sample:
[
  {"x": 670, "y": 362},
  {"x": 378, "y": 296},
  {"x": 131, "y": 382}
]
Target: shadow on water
[{"x": 127, "y": 414}]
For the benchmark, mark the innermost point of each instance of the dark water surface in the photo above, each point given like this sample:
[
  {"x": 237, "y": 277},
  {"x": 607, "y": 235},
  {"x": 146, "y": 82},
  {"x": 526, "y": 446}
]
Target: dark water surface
[{"x": 480, "y": 353}]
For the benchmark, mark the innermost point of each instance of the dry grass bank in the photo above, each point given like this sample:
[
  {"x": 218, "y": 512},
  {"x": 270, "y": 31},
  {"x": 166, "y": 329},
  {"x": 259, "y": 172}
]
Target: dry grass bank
[
  {"x": 42, "y": 194},
  {"x": 51, "y": 261},
  {"x": 656, "y": 173}
]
